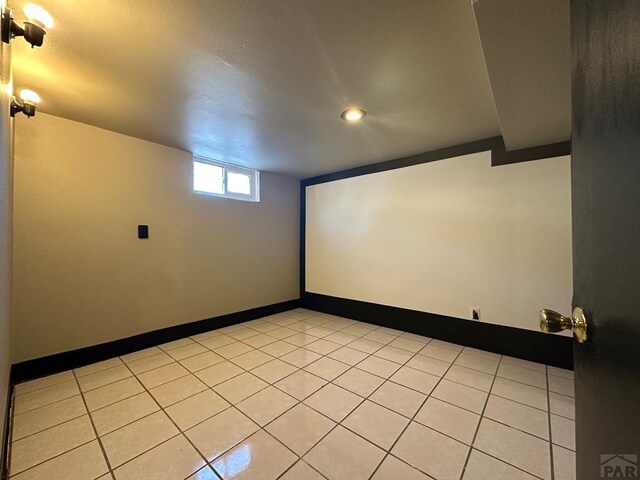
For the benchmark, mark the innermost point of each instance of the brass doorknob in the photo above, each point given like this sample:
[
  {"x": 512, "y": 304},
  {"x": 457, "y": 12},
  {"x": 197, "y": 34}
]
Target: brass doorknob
[{"x": 551, "y": 321}]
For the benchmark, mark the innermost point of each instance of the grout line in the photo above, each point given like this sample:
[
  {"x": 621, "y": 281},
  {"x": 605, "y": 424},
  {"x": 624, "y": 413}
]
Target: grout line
[
  {"x": 553, "y": 474},
  {"x": 95, "y": 430}
]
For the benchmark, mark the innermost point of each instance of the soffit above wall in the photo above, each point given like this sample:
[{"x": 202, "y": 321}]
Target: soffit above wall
[{"x": 526, "y": 46}]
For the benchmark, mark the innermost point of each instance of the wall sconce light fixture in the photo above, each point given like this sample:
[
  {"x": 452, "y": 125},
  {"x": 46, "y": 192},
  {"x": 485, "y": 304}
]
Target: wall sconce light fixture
[
  {"x": 34, "y": 28},
  {"x": 30, "y": 99}
]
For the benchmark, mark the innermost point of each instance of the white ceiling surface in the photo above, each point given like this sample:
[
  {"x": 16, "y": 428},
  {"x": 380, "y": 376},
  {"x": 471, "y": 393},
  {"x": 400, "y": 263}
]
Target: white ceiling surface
[
  {"x": 527, "y": 49},
  {"x": 261, "y": 83}
]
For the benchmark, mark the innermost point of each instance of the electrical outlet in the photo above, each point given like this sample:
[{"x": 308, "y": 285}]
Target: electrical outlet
[{"x": 474, "y": 313}]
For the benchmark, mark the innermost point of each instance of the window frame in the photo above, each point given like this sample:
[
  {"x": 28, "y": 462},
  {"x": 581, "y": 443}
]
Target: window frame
[{"x": 254, "y": 179}]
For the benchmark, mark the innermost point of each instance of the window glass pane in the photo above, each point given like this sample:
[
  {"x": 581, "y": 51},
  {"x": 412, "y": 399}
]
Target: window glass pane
[
  {"x": 208, "y": 178},
  {"x": 239, "y": 183}
]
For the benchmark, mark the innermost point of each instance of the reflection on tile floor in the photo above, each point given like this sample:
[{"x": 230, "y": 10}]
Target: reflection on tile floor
[{"x": 298, "y": 396}]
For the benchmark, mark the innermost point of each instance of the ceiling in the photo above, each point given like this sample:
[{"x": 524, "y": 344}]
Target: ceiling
[{"x": 262, "y": 83}]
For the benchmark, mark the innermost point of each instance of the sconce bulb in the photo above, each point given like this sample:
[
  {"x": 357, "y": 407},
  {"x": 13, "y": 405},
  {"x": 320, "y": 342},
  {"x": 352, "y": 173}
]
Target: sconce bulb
[
  {"x": 29, "y": 96},
  {"x": 39, "y": 14}
]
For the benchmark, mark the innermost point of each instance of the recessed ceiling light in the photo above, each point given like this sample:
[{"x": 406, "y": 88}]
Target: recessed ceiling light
[{"x": 353, "y": 115}]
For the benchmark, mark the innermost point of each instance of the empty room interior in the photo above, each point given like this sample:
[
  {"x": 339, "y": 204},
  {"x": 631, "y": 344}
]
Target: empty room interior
[{"x": 319, "y": 239}]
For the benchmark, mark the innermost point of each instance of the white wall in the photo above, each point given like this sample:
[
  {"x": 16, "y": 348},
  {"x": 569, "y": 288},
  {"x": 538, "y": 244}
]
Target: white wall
[
  {"x": 444, "y": 236},
  {"x": 81, "y": 276},
  {"x": 6, "y": 166}
]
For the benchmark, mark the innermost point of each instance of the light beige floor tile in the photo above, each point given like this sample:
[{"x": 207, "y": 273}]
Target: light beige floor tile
[
  {"x": 429, "y": 365},
  {"x": 348, "y": 355},
  {"x": 394, "y": 469},
  {"x": 300, "y": 384},
  {"x": 359, "y": 329},
  {"x": 174, "y": 459},
  {"x": 483, "y": 467},
  {"x": 517, "y": 448},
  {"x": 242, "y": 334},
  {"x": 83, "y": 463},
  {"x": 176, "y": 390},
  {"x": 104, "y": 377},
  {"x": 205, "y": 336},
  {"x": 518, "y": 362},
  {"x": 334, "y": 402},
  {"x": 416, "y": 337},
  {"x": 440, "y": 353},
  {"x": 394, "y": 354},
  {"x": 233, "y": 350},
  {"x": 564, "y": 463},
  {"x": 130, "y": 441},
  {"x": 205, "y": 473},
  {"x": 359, "y": 382},
  {"x": 341, "y": 338},
  {"x": 519, "y": 392},
  {"x": 252, "y": 359},
  {"x": 39, "y": 383},
  {"x": 451, "y": 346},
  {"x": 300, "y": 428},
  {"x": 218, "y": 373},
  {"x": 217, "y": 342},
  {"x": 408, "y": 344},
  {"x": 258, "y": 457},
  {"x": 149, "y": 363},
  {"x": 415, "y": 379},
  {"x": 260, "y": 340},
  {"x": 322, "y": 346},
  {"x": 476, "y": 362},
  {"x": 48, "y": 416},
  {"x": 279, "y": 348},
  {"x": 344, "y": 455},
  {"x": 274, "y": 370},
  {"x": 327, "y": 368},
  {"x": 218, "y": 434},
  {"x": 300, "y": 357},
  {"x": 377, "y": 424},
  {"x": 380, "y": 337},
  {"x": 45, "y": 396},
  {"x": 391, "y": 331},
  {"x": 516, "y": 415},
  {"x": 522, "y": 375},
  {"x": 562, "y": 405},
  {"x": 264, "y": 327},
  {"x": 400, "y": 399},
  {"x": 300, "y": 339},
  {"x": 301, "y": 471},
  {"x": 158, "y": 376},
  {"x": 35, "y": 449},
  {"x": 266, "y": 405},
  {"x": 563, "y": 432},
  {"x": 201, "y": 361},
  {"x": 561, "y": 385},
  {"x": 448, "y": 419},
  {"x": 460, "y": 395},
  {"x": 176, "y": 344},
  {"x": 238, "y": 388},
  {"x": 560, "y": 372},
  {"x": 282, "y": 333},
  {"x": 117, "y": 415},
  {"x": 319, "y": 332},
  {"x": 147, "y": 352},
  {"x": 435, "y": 454},
  {"x": 112, "y": 393},
  {"x": 471, "y": 378},
  {"x": 378, "y": 366},
  {"x": 97, "y": 367},
  {"x": 481, "y": 353},
  {"x": 194, "y": 410},
  {"x": 365, "y": 346}
]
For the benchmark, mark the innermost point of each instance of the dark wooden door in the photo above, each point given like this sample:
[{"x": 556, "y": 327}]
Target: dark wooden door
[{"x": 605, "y": 36}]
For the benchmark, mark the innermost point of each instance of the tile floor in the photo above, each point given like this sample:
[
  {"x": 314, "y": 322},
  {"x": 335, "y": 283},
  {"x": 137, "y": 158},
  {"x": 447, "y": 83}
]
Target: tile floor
[{"x": 298, "y": 396}]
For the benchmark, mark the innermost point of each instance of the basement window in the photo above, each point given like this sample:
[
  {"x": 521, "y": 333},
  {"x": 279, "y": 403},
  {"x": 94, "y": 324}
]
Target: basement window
[{"x": 219, "y": 179}]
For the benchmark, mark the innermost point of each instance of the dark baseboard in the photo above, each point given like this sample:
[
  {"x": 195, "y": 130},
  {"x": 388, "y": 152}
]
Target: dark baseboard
[
  {"x": 60, "y": 362},
  {"x": 4, "y": 455},
  {"x": 525, "y": 344}
]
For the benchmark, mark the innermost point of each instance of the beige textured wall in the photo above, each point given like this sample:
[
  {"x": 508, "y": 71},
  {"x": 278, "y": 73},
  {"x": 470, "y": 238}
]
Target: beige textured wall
[
  {"x": 444, "y": 236},
  {"x": 6, "y": 165},
  {"x": 81, "y": 275}
]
